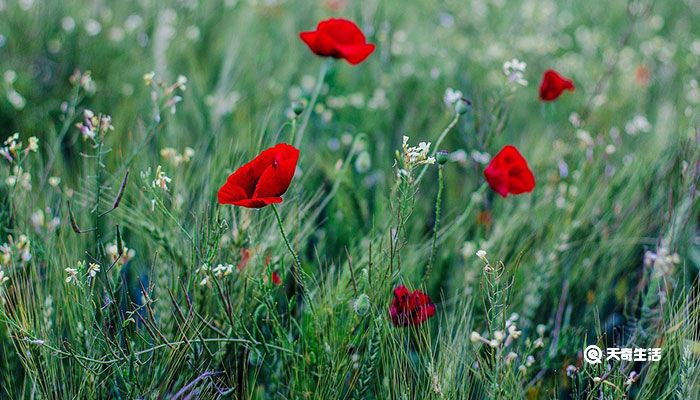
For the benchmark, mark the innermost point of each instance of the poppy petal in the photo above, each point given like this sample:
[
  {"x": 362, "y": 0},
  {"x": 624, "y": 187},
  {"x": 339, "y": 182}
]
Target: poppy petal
[
  {"x": 338, "y": 38},
  {"x": 230, "y": 192}
]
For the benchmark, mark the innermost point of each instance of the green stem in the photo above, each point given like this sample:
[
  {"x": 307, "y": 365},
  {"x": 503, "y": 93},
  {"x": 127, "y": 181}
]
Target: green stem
[
  {"x": 297, "y": 263},
  {"x": 294, "y": 129},
  {"x": 314, "y": 97},
  {"x": 438, "y": 143},
  {"x": 436, "y": 226},
  {"x": 296, "y": 270}
]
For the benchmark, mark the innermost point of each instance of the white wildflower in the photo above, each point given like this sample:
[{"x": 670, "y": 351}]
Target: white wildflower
[
  {"x": 638, "y": 124},
  {"x": 451, "y": 96},
  {"x": 20, "y": 179},
  {"x": 72, "y": 275},
  {"x": 3, "y": 278},
  {"x": 54, "y": 181},
  {"x": 223, "y": 270},
  {"x": 499, "y": 336},
  {"x": 33, "y": 145},
  {"x": 161, "y": 181},
  {"x": 416, "y": 155},
  {"x": 514, "y": 70},
  {"x": 93, "y": 269},
  {"x": 475, "y": 337},
  {"x": 529, "y": 361}
]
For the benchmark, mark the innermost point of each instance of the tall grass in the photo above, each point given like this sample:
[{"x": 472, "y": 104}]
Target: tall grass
[{"x": 604, "y": 251}]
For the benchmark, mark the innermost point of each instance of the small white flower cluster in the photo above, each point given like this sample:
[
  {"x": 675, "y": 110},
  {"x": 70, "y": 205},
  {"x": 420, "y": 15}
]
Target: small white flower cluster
[
  {"x": 39, "y": 222},
  {"x": 219, "y": 271},
  {"x": 113, "y": 252},
  {"x": 21, "y": 247},
  {"x": 3, "y": 278},
  {"x": 451, "y": 97},
  {"x": 500, "y": 337},
  {"x": 416, "y": 155},
  {"x": 174, "y": 157},
  {"x": 19, "y": 178},
  {"x": 13, "y": 96},
  {"x": 168, "y": 91},
  {"x": 514, "y": 70},
  {"x": 161, "y": 180},
  {"x": 84, "y": 80},
  {"x": 662, "y": 260},
  {"x": 503, "y": 339},
  {"x": 93, "y": 124},
  {"x": 638, "y": 124},
  {"x": 73, "y": 274},
  {"x": 12, "y": 147},
  {"x": 222, "y": 270}
]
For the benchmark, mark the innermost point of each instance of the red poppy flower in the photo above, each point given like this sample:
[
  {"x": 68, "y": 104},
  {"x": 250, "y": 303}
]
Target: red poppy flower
[
  {"x": 245, "y": 257},
  {"x": 276, "y": 279},
  {"x": 263, "y": 180},
  {"x": 553, "y": 85},
  {"x": 338, "y": 38},
  {"x": 410, "y": 308},
  {"x": 508, "y": 173}
]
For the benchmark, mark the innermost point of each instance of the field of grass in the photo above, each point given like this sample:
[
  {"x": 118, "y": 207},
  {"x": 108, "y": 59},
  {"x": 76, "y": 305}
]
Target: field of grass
[{"x": 121, "y": 275}]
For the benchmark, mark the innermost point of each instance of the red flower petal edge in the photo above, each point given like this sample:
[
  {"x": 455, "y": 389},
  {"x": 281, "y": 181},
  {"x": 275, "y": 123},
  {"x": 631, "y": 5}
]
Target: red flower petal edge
[
  {"x": 553, "y": 85},
  {"x": 410, "y": 308},
  {"x": 508, "y": 173},
  {"x": 338, "y": 38},
  {"x": 276, "y": 279},
  {"x": 263, "y": 180}
]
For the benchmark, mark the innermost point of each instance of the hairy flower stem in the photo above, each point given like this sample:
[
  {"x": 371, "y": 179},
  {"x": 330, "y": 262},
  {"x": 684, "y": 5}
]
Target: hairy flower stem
[
  {"x": 296, "y": 270},
  {"x": 438, "y": 142},
  {"x": 294, "y": 129},
  {"x": 314, "y": 97},
  {"x": 436, "y": 225}
]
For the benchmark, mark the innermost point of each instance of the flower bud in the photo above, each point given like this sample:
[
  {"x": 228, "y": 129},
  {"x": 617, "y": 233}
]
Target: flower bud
[
  {"x": 462, "y": 106},
  {"x": 474, "y": 337},
  {"x": 442, "y": 156},
  {"x": 362, "y": 305},
  {"x": 297, "y": 107}
]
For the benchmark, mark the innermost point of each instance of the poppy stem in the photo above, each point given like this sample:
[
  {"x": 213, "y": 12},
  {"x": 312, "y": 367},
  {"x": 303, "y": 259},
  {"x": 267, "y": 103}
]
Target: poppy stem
[
  {"x": 314, "y": 97},
  {"x": 296, "y": 270},
  {"x": 436, "y": 225},
  {"x": 438, "y": 142}
]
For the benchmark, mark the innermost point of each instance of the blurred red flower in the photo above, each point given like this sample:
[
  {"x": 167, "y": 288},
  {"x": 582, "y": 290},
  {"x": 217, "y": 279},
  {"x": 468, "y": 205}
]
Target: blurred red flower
[
  {"x": 553, "y": 85},
  {"x": 245, "y": 257},
  {"x": 410, "y": 308},
  {"x": 338, "y": 38},
  {"x": 263, "y": 180},
  {"x": 276, "y": 279},
  {"x": 508, "y": 173}
]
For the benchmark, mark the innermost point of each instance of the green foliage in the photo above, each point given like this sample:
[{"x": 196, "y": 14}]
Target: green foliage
[{"x": 126, "y": 278}]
